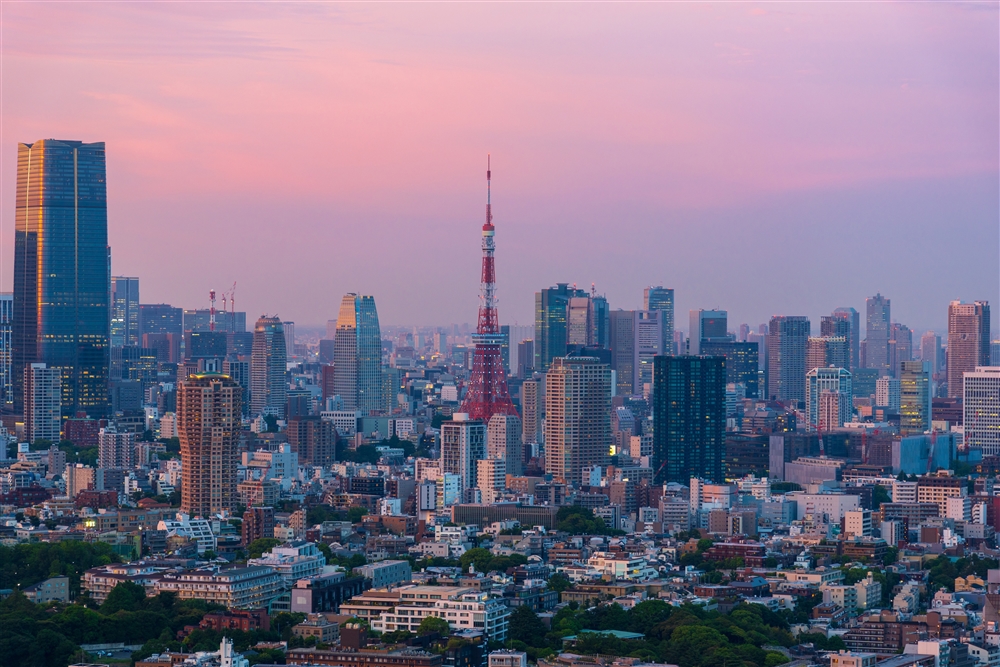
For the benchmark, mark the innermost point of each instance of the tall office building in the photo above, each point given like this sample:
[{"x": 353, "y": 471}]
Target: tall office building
[
  {"x": 531, "y": 410},
  {"x": 900, "y": 347},
  {"x": 824, "y": 351},
  {"x": 579, "y": 322},
  {"x": 62, "y": 275},
  {"x": 200, "y": 319},
  {"x": 125, "y": 311},
  {"x": 742, "y": 363},
  {"x": 463, "y": 445},
  {"x": 602, "y": 321},
  {"x": 650, "y": 341},
  {"x": 623, "y": 351},
  {"x": 289, "y": 328},
  {"x": 981, "y": 409},
  {"x": 930, "y": 350},
  {"x": 968, "y": 341},
  {"x": 239, "y": 370},
  {"x": 830, "y": 381},
  {"x": 707, "y": 325},
  {"x": 268, "y": 386},
  {"x": 525, "y": 358},
  {"x": 689, "y": 418},
  {"x": 503, "y": 441},
  {"x": 42, "y": 387},
  {"x": 662, "y": 299},
  {"x": 844, "y": 322},
  {"x": 577, "y": 417},
  {"x": 6, "y": 379},
  {"x": 914, "y": 397},
  {"x": 357, "y": 363},
  {"x": 551, "y": 323},
  {"x": 161, "y": 327},
  {"x": 787, "y": 342},
  {"x": 877, "y": 333},
  {"x": 208, "y": 425}
]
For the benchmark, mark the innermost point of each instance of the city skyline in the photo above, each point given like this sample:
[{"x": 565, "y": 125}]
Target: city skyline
[{"x": 681, "y": 174}]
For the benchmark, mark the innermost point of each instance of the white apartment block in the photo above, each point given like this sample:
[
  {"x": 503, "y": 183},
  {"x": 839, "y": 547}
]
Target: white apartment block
[{"x": 981, "y": 406}]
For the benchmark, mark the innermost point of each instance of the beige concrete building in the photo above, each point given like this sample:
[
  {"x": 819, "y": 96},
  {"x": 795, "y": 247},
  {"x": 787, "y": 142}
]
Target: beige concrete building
[
  {"x": 577, "y": 416},
  {"x": 209, "y": 409}
]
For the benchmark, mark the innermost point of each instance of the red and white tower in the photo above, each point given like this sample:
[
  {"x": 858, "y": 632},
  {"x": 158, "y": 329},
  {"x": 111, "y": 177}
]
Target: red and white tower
[{"x": 487, "y": 394}]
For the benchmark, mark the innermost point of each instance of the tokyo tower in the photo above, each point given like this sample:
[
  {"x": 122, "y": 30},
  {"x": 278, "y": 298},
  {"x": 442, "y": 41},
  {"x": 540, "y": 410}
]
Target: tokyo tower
[{"x": 487, "y": 394}]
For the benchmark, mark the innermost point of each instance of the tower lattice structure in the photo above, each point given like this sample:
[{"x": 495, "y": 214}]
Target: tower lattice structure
[{"x": 487, "y": 394}]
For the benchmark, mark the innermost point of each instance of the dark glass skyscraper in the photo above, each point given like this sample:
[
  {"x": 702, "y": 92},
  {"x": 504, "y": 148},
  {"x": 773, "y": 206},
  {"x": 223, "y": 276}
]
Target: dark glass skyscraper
[
  {"x": 689, "y": 418},
  {"x": 124, "y": 311},
  {"x": 62, "y": 276},
  {"x": 552, "y": 322},
  {"x": 787, "y": 343}
]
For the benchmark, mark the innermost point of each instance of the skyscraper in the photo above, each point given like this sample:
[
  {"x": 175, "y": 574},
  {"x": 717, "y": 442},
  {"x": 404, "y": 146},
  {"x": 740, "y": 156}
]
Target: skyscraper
[
  {"x": 602, "y": 322},
  {"x": 914, "y": 397},
  {"x": 981, "y": 409},
  {"x": 463, "y": 444},
  {"x": 503, "y": 441},
  {"x": 829, "y": 380},
  {"x": 6, "y": 379},
  {"x": 650, "y": 341},
  {"x": 662, "y": 299},
  {"x": 900, "y": 346},
  {"x": 125, "y": 311},
  {"x": 268, "y": 386},
  {"x": 742, "y": 362},
  {"x": 577, "y": 417},
  {"x": 313, "y": 439},
  {"x": 531, "y": 409},
  {"x": 877, "y": 333},
  {"x": 707, "y": 325},
  {"x": 824, "y": 351},
  {"x": 787, "y": 342},
  {"x": 357, "y": 354},
  {"x": 551, "y": 323},
  {"x": 930, "y": 350},
  {"x": 580, "y": 322},
  {"x": 208, "y": 425},
  {"x": 62, "y": 276},
  {"x": 623, "y": 351},
  {"x": 845, "y": 322},
  {"x": 968, "y": 341},
  {"x": 689, "y": 418},
  {"x": 42, "y": 387},
  {"x": 115, "y": 449}
]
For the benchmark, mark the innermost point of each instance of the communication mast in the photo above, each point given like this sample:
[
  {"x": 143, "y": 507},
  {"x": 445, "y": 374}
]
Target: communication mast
[
  {"x": 487, "y": 394},
  {"x": 211, "y": 312}
]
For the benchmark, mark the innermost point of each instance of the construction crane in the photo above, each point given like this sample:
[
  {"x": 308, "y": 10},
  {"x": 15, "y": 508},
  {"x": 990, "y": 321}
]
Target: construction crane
[{"x": 231, "y": 295}]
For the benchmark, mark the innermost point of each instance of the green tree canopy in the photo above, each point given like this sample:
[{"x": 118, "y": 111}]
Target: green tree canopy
[{"x": 432, "y": 624}]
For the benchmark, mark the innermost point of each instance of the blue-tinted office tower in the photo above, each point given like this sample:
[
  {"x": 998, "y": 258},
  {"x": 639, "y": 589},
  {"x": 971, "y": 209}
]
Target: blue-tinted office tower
[
  {"x": 689, "y": 418},
  {"x": 62, "y": 276},
  {"x": 552, "y": 323}
]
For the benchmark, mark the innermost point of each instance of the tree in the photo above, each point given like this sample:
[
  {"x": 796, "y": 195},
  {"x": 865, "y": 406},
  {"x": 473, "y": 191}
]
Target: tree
[
  {"x": 259, "y": 547},
  {"x": 525, "y": 626},
  {"x": 324, "y": 549},
  {"x": 126, "y": 596},
  {"x": 433, "y": 624},
  {"x": 559, "y": 582},
  {"x": 479, "y": 557},
  {"x": 355, "y": 513},
  {"x": 879, "y": 496}
]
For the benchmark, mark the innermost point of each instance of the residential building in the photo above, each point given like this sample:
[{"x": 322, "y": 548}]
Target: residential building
[
  {"x": 386, "y": 573},
  {"x": 293, "y": 561},
  {"x": 532, "y": 390},
  {"x": 53, "y": 589},
  {"x": 463, "y": 444},
  {"x": 845, "y": 323},
  {"x": 937, "y": 488},
  {"x": 787, "y": 341},
  {"x": 491, "y": 476},
  {"x": 689, "y": 418},
  {"x": 6, "y": 342},
  {"x": 236, "y": 587},
  {"x": 552, "y": 323},
  {"x": 258, "y": 523},
  {"x": 114, "y": 449},
  {"x": 822, "y": 383},
  {"x": 313, "y": 438},
  {"x": 463, "y": 608},
  {"x": 62, "y": 280},
  {"x": 887, "y": 393},
  {"x": 968, "y": 341},
  {"x": 268, "y": 386},
  {"x": 622, "y": 341},
  {"x": 209, "y": 423},
  {"x": 357, "y": 368},
  {"x": 405, "y": 657},
  {"x": 503, "y": 441},
  {"x": 42, "y": 402},
  {"x": 577, "y": 416},
  {"x": 981, "y": 408}
]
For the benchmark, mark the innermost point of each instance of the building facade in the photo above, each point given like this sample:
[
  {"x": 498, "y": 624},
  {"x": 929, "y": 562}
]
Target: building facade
[
  {"x": 125, "y": 311},
  {"x": 914, "y": 397},
  {"x": 981, "y": 407},
  {"x": 877, "y": 323},
  {"x": 208, "y": 425},
  {"x": 968, "y": 341},
  {"x": 577, "y": 416},
  {"x": 42, "y": 402},
  {"x": 463, "y": 444},
  {"x": 820, "y": 381},
  {"x": 787, "y": 342},
  {"x": 357, "y": 353},
  {"x": 268, "y": 387}
]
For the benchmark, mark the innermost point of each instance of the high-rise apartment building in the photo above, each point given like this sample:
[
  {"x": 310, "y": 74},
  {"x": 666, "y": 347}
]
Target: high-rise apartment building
[
  {"x": 877, "y": 333},
  {"x": 602, "y": 321},
  {"x": 42, "y": 400},
  {"x": 6, "y": 379},
  {"x": 622, "y": 341},
  {"x": 357, "y": 365},
  {"x": 914, "y": 397},
  {"x": 689, "y": 418},
  {"x": 525, "y": 357},
  {"x": 125, "y": 311},
  {"x": 742, "y": 363},
  {"x": 830, "y": 381},
  {"x": 844, "y": 322},
  {"x": 552, "y": 323},
  {"x": 981, "y": 409},
  {"x": 825, "y": 351},
  {"x": 887, "y": 394},
  {"x": 577, "y": 416},
  {"x": 662, "y": 299},
  {"x": 208, "y": 425},
  {"x": 62, "y": 276},
  {"x": 313, "y": 439},
  {"x": 268, "y": 386},
  {"x": 930, "y": 350},
  {"x": 115, "y": 449},
  {"x": 532, "y": 390},
  {"x": 503, "y": 441},
  {"x": 707, "y": 325},
  {"x": 491, "y": 478},
  {"x": 968, "y": 341},
  {"x": 650, "y": 341},
  {"x": 463, "y": 445},
  {"x": 787, "y": 342}
]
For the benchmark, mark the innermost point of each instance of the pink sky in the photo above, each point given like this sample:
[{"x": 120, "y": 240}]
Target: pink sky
[{"x": 764, "y": 158}]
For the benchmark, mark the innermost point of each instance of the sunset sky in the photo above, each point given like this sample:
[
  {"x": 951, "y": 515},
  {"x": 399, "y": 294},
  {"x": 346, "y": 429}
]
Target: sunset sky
[{"x": 762, "y": 158}]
